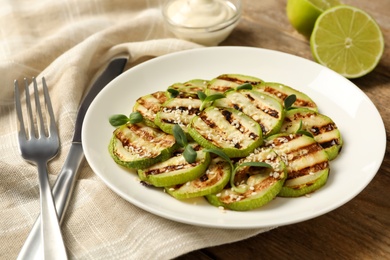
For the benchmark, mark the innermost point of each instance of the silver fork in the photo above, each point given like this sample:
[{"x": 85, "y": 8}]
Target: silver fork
[{"x": 38, "y": 147}]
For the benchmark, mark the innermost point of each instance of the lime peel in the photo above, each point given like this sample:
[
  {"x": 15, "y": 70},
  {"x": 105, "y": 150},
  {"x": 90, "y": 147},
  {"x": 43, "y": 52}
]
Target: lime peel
[
  {"x": 347, "y": 40},
  {"x": 303, "y": 14}
]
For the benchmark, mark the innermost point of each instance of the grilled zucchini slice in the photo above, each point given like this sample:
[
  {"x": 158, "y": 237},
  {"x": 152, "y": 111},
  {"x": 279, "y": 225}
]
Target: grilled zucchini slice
[
  {"x": 190, "y": 88},
  {"x": 281, "y": 92},
  {"x": 266, "y": 110},
  {"x": 226, "y": 129},
  {"x": 176, "y": 170},
  {"x": 260, "y": 184},
  {"x": 149, "y": 105},
  {"x": 323, "y": 129},
  {"x": 139, "y": 146},
  {"x": 225, "y": 82},
  {"x": 307, "y": 163},
  {"x": 177, "y": 111},
  {"x": 212, "y": 181}
]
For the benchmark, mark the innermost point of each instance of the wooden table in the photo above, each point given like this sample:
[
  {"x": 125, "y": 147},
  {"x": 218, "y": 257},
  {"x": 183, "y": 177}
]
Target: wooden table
[{"x": 361, "y": 228}]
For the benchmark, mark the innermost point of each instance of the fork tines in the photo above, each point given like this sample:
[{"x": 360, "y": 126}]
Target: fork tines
[{"x": 36, "y": 126}]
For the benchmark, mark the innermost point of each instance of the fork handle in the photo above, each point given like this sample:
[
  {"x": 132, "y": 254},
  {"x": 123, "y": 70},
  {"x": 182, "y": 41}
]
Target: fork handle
[
  {"x": 62, "y": 191},
  {"x": 53, "y": 244}
]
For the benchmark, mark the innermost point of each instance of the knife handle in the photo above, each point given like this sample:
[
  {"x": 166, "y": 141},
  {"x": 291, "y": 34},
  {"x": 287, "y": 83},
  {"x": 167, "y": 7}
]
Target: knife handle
[
  {"x": 63, "y": 187},
  {"x": 62, "y": 191}
]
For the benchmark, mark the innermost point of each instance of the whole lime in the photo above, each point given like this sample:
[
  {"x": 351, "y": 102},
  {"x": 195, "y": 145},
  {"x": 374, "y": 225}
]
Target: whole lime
[{"x": 302, "y": 14}]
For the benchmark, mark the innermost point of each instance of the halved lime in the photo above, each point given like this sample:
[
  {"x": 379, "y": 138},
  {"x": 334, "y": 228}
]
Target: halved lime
[
  {"x": 347, "y": 40},
  {"x": 302, "y": 14}
]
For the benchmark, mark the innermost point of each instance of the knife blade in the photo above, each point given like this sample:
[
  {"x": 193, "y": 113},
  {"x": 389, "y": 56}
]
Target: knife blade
[{"x": 63, "y": 187}]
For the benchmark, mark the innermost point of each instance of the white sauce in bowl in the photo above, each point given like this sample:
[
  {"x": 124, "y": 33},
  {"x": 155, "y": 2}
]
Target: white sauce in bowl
[{"x": 200, "y": 13}]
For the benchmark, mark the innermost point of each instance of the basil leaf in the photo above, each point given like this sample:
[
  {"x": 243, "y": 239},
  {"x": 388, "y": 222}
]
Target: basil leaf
[
  {"x": 300, "y": 126},
  {"x": 244, "y": 86},
  {"x": 255, "y": 164},
  {"x": 118, "y": 120},
  {"x": 210, "y": 99},
  {"x": 233, "y": 185},
  {"x": 289, "y": 101},
  {"x": 224, "y": 156},
  {"x": 307, "y": 133},
  {"x": 174, "y": 93},
  {"x": 135, "y": 117},
  {"x": 214, "y": 97},
  {"x": 179, "y": 135},
  {"x": 189, "y": 154},
  {"x": 201, "y": 95},
  {"x": 220, "y": 154},
  {"x": 303, "y": 132}
]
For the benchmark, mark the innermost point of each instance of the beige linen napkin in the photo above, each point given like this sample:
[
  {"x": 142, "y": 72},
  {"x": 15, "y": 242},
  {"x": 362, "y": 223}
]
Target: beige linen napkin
[{"x": 68, "y": 42}]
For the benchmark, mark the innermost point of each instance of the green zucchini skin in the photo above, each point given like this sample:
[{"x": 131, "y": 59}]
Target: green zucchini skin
[
  {"x": 290, "y": 190},
  {"x": 226, "y": 82},
  {"x": 281, "y": 92},
  {"x": 266, "y": 110},
  {"x": 181, "y": 108},
  {"x": 323, "y": 129},
  {"x": 176, "y": 170},
  {"x": 226, "y": 129},
  {"x": 177, "y": 111},
  {"x": 307, "y": 163},
  {"x": 261, "y": 185},
  {"x": 149, "y": 105},
  {"x": 190, "y": 88},
  {"x": 212, "y": 181},
  {"x": 138, "y": 146},
  {"x": 249, "y": 125}
]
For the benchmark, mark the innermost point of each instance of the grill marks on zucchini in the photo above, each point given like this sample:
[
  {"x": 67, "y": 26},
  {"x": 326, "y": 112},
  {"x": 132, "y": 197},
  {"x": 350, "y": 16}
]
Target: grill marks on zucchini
[
  {"x": 307, "y": 163},
  {"x": 190, "y": 88},
  {"x": 227, "y": 129},
  {"x": 260, "y": 185},
  {"x": 323, "y": 129},
  {"x": 153, "y": 101},
  {"x": 212, "y": 181},
  {"x": 181, "y": 108},
  {"x": 177, "y": 111},
  {"x": 236, "y": 126},
  {"x": 139, "y": 146},
  {"x": 240, "y": 79},
  {"x": 149, "y": 105},
  {"x": 281, "y": 92},
  {"x": 267, "y": 111},
  {"x": 176, "y": 170},
  {"x": 145, "y": 137},
  {"x": 225, "y": 82}
]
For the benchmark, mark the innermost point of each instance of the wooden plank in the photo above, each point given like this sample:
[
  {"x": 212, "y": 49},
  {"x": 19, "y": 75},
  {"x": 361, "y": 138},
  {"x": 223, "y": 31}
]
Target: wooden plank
[{"x": 361, "y": 228}]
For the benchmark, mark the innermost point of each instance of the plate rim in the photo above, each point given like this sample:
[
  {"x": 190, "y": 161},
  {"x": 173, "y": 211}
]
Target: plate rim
[{"x": 218, "y": 49}]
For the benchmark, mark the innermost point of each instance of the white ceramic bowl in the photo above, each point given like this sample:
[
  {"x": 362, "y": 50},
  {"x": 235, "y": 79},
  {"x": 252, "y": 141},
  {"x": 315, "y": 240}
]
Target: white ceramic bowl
[{"x": 207, "y": 35}]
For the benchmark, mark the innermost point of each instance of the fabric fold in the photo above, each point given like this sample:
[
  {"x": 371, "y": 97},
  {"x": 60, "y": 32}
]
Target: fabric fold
[{"x": 69, "y": 42}]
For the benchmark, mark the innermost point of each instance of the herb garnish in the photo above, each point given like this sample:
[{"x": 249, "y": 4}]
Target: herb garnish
[
  {"x": 289, "y": 101},
  {"x": 181, "y": 138},
  {"x": 174, "y": 93},
  {"x": 303, "y": 132},
  {"x": 247, "y": 86},
  {"x": 244, "y": 86},
  {"x": 120, "y": 119},
  {"x": 208, "y": 100},
  {"x": 235, "y": 167}
]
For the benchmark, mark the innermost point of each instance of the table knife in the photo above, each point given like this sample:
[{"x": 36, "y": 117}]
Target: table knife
[{"x": 63, "y": 187}]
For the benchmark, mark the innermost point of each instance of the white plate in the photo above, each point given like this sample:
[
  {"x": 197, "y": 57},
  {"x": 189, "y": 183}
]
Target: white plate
[{"x": 357, "y": 118}]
